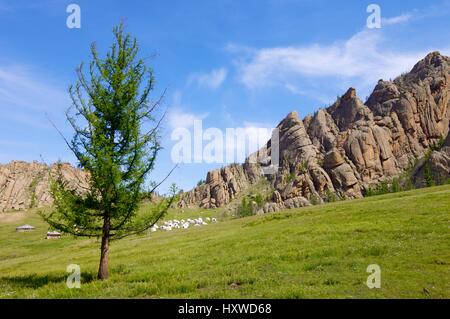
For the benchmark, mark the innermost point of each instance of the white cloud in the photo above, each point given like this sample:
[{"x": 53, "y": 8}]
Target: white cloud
[
  {"x": 178, "y": 116},
  {"x": 294, "y": 89},
  {"x": 21, "y": 88},
  {"x": 361, "y": 57},
  {"x": 26, "y": 95},
  {"x": 403, "y": 18},
  {"x": 211, "y": 80}
]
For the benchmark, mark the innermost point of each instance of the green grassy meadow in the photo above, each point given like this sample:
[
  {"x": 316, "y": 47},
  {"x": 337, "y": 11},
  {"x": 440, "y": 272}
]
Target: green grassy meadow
[{"x": 314, "y": 252}]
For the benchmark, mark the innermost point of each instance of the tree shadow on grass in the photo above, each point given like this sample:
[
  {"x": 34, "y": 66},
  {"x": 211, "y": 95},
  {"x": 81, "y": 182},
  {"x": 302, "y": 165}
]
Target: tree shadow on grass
[{"x": 35, "y": 281}]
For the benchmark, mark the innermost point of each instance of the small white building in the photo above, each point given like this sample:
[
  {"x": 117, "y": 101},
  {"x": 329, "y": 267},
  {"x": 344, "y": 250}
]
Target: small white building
[
  {"x": 53, "y": 235},
  {"x": 24, "y": 228}
]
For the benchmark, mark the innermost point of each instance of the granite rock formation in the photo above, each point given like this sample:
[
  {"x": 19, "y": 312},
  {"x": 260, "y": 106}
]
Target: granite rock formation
[
  {"x": 351, "y": 145},
  {"x": 26, "y": 185}
]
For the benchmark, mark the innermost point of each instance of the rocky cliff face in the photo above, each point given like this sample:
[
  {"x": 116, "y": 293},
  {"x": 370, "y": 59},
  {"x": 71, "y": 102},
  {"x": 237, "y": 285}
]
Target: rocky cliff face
[
  {"x": 350, "y": 145},
  {"x": 435, "y": 167},
  {"x": 25, "y": 185}
]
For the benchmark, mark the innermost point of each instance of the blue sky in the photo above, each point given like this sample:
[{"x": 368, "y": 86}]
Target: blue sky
[{"x": 229, "y": 63}]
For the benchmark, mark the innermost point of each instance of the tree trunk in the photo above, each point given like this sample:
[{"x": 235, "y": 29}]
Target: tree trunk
[{"x": 103, "y": 268}]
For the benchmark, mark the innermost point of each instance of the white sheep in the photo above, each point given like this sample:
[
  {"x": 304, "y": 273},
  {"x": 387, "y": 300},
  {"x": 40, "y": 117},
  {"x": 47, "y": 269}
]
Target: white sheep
[{"x": 184, "y": 224}]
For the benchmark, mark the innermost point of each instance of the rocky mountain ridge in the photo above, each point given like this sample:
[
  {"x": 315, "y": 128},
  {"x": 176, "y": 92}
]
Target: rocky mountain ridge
[
  {"x": 348, "y": 147},
  {"x": 26, "y": 185},
  {"x": 341, "y": 150}
]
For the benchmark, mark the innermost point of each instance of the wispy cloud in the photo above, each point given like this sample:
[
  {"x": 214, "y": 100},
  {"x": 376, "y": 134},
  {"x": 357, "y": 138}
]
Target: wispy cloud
[
  {"x": 294, "y": 89},
  {"x": 403, "y": 18},
  {"x": 432, "y": 11},
  {"x": 26, "y": 96},
  {"x": 359, "y": 61},
  {"x": 21, "y": 88},
  {"x": 179, "y": 117},
  {"x": 361, "y": 58},
  {"x": 211, "y": 80}
]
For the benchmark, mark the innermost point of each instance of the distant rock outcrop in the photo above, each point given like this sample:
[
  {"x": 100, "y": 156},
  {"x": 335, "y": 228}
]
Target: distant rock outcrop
[
  {"x": 435, "y": 167},
  {"x": 350, "y": 145},
  {"x": 25, "y": 185},
  {"x": 222, "y": 185}
]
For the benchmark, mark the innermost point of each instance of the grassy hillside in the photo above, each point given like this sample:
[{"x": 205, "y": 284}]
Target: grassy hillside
[{"x": 320, "y": 251}]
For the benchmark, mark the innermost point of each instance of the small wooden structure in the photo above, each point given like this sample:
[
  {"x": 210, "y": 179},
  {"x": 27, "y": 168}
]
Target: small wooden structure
[
  {"x": 24, "y": 228},
  {"x": 53, "y": 235}
]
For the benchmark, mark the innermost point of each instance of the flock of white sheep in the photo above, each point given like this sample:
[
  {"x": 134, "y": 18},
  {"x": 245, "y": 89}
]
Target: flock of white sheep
[{"x": 182, "y": 224}]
